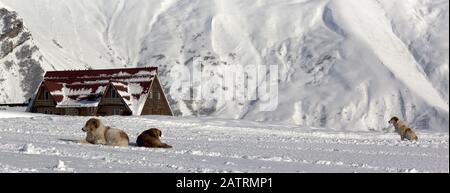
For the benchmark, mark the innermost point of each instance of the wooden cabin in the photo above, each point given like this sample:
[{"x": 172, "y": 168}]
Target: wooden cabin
[{"x": 128, "y": 91}]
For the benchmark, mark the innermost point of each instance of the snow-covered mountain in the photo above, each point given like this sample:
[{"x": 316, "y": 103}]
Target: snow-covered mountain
[
  {"x": 343, "y": 64},
  {"x": 21, "y": 63}
]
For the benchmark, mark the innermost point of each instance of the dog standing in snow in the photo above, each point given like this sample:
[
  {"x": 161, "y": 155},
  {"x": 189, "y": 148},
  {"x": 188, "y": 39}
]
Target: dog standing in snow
[
  {"x": 150, "y": 138},
  {"x": 97, "y": 133},
  {"x": 402, "y": 129}
]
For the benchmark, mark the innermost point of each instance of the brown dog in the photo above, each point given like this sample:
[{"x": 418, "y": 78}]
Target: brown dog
[
  {"x": 402, "y": 129},
  {"x": 150, "y": 138},
  {"x": 97, "y": 133}
]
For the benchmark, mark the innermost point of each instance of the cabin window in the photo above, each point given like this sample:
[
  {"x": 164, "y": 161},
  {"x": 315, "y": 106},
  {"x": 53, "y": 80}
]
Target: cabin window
[
  {"x": 159, "y": 96},
  {"x": 150, "y": 95},
  {"x": 114, "y": 94},
  {"x": 46, "y": 95},
  {"x": 117, "y": 112}
]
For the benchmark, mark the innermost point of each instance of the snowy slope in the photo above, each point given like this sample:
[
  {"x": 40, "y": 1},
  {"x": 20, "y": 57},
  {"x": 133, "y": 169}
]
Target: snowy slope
[
  {"x": 45, "y": 144},
  {"x": 343, "y": 64}
]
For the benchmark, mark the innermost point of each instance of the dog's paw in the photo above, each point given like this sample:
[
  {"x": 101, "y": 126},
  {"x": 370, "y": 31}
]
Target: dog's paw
[{"x": 83, "y": 141}]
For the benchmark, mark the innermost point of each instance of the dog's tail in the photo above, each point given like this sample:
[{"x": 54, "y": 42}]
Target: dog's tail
[{"x": 163, "y": 145}]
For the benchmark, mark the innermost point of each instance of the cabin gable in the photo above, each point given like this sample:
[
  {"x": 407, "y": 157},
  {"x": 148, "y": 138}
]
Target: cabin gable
[
  {"x": 112, "y": 104},
  {"x": 44, "y": 102},
  {"x": 156, "y": 103}
]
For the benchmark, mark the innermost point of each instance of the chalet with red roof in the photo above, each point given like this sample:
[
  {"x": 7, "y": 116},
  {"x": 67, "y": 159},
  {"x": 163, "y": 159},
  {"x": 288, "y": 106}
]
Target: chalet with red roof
[{"x": 128, "y": 91}]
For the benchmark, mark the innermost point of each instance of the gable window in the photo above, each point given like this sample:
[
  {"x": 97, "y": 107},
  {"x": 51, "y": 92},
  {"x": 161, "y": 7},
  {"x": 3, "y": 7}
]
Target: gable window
[
  {"x": 159, "y": 96},
  {"x": 46, "y": 95},
  {"x": 151, "y": 95},
  {"x": 117, "y": 112},
  {"x": 114, "y": 94}
]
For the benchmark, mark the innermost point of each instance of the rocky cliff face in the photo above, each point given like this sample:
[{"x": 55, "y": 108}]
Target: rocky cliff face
[{"x": 20, "y": 60}]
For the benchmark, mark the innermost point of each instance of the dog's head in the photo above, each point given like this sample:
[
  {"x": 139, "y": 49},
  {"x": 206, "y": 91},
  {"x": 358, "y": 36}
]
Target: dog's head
[
  {"x": 91, "y": 125},
  {"x": 154, "y": 132},
  {"x": 393, "y": 120}
]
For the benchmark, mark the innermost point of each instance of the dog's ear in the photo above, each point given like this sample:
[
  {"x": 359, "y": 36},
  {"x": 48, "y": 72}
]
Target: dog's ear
[
  {"x": 395, "y": 119},
  {"x": 96, "y": 123}
]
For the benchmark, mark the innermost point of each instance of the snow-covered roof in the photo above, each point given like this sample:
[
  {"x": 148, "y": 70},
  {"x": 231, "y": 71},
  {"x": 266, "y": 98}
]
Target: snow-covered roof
[
  {"x": 79, "y": 95},
  {"x": 133, "y": 93},
  {"x": 85, "y": 88}
]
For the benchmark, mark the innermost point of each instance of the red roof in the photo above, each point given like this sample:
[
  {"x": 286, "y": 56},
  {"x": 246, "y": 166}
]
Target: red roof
[
  {"x": 85, "y": 88},
  {"x": 98, "y": 74}
]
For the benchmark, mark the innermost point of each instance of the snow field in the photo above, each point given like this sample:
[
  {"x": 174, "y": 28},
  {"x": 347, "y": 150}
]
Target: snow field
[{"x": 46, "y": 144}]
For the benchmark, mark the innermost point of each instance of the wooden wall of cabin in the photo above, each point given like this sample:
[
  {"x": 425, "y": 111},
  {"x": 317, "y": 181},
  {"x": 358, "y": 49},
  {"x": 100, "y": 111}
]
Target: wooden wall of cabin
[
  {"x": 156, "y": 103},
  {"x": 49, "y": 110},
  {"x": 84, "y": 111},
  {"x": 112, "y": 110}
]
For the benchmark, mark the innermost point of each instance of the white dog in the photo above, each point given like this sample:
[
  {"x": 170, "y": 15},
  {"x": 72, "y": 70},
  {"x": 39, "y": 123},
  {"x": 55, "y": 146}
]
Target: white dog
[{"x": 97, "y": 133}]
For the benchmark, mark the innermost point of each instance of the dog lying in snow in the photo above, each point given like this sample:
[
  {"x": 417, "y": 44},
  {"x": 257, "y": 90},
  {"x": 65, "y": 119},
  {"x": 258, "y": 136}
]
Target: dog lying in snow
[
  {"x": 97, "y": 133},
  {"x": 402, "y": 129},
  {"x": 150, "y": 138}
]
